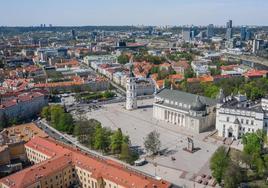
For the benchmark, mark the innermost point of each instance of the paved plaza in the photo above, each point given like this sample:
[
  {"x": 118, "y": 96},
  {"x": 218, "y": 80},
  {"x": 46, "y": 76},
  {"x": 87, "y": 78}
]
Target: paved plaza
[{"x": 138, "y": 123}]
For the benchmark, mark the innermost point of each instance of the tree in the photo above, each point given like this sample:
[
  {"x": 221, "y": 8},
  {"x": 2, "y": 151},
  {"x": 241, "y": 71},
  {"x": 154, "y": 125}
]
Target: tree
[
  {"x": 56, "y": 112},
  {"x": 218, "y": 163},
  {"x": 167, "y": 83},
  {"x": 152, "y": 142},
  {"x": 116, "y": 141},
  {"x": 46, "y": 113},
  {"x": 101, "y": 138},
  {"x": 252, "y": 143},
  {"x": 66, "y": 123},
  {"x": 108, "y": 94},
  {"x": 189, "y": 73},
  {"x": 85, "y": 131},
  {"x": 155, "y": 69},
  {"x": 232, "y": 176},
  {"x": 123, "y": 59},
  {"x": 127, "y": 154},
  {"x": 214, "y": 72},
  {"x": 210, "y": 90}
]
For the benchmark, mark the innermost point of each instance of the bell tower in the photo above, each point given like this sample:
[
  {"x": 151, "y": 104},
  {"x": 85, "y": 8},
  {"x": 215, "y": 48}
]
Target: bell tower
[{"x": 131, "y": 98}]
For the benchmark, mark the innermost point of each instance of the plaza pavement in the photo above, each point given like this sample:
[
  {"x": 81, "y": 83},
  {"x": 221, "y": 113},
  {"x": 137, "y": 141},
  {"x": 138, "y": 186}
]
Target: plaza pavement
[{"x": 138, "y": 123}]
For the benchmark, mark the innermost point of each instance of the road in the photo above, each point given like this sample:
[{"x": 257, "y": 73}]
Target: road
[{"x": 254, "y": 59}]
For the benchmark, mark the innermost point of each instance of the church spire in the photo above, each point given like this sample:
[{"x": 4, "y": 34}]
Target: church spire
[
  {"x": 131, "y": 74},
  {"x": 220, "y": 96}
]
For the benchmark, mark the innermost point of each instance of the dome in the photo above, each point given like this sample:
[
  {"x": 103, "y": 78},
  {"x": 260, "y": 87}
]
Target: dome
[{"x": 198, "y": 105}]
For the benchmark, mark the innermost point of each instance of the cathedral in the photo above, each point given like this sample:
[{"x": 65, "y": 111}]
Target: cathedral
[{"x": 191, "y": 112}]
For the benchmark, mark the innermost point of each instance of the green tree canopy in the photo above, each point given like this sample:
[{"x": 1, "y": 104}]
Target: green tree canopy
[
  {"x": 123, "y": 59},
  {"x": 152, "y": 142},
  {"x": 232, "y": 176},
  {"x": 116, "y": 141},
  {"x": 218, "y": 163}
]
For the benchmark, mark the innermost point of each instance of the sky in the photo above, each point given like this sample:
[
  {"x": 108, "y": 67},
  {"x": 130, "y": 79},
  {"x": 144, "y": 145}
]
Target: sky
[{"x": 132, "y": 12}]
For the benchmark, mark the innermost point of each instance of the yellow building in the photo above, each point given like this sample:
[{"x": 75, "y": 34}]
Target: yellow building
[
  {"x": 12, "y": 141},
  {"x": 57, "y": 165}
]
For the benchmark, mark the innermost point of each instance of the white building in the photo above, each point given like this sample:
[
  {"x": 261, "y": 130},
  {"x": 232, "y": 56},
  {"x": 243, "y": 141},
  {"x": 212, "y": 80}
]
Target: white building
[
  {"x": 236, "y": 116},
  {"x": 131, "y": 100},
  {"x": 189, "y": 111},
  {"x": 201, "y": 67}
]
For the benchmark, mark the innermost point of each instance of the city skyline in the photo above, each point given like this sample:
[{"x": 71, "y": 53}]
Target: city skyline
[{"x": 119, "y": 12}]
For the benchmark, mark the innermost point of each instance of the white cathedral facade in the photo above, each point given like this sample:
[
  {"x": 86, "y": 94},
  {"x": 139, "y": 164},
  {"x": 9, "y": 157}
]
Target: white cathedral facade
[{"x": 191, "y": 112}]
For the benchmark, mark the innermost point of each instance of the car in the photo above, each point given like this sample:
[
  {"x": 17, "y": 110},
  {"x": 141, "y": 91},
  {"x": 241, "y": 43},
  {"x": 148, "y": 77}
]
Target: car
[{"x": 140, "y": 162}]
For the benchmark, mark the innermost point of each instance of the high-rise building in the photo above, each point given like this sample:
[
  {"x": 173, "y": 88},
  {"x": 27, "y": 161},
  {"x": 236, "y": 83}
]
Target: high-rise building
[
  {"x": 248, "y": 34},
  {"x": 243, "y": 32},
  {"x": 186, "y": 35},
  {"x": 193, "y": 32},
  {"x": 73, "y": 34},
  {"x": 229, "y": 24},
  {"x": 229, "y": 31},
  {"x": 210, "y": 30},
  {"x": 256, "y": 45}
]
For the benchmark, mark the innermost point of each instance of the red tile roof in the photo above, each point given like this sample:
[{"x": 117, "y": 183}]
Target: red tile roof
[
  {"x": 228, "y": 67},
  {"x": 200, "y": 79},
  {"x": 62, "y": 155},
  {"x": 182, "y": 63},
  {"x": 256, "y": 73},
  {"x": 21, "y": 98}
]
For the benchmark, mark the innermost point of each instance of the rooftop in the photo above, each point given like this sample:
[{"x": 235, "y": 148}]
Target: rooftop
[{"x": 62, "y": 156}]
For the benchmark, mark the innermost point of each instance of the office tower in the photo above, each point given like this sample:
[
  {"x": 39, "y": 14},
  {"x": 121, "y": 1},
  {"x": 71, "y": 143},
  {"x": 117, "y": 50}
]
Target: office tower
[
  {"x": 243, "y": 32},
  {"x": 73, "y": 34},
  {"x": 186, "y": 35},
  {"x": 193, "y": 32},
  {"x": 229, "y": 31},
  {"x": 248, "y": 35},
  {"x": 210, "y": 30},
  {"x": 257, "y": 45},
  {"x": 229, "y": 24}
]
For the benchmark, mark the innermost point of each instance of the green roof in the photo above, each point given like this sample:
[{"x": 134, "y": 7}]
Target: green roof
[{"x": 185, "y": 98}]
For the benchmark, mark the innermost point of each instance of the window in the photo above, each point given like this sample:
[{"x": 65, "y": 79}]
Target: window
[
  {"x": 242, "y": 121},
  {"x": 227, "y": 119},
  {"x": 252, "y": 122},
  {"x": 247, "y": 121}
]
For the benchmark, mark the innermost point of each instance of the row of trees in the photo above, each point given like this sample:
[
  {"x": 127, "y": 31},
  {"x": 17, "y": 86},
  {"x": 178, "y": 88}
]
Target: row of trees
[
  {"x": 59, "y": 118},
  {"x": 234, "y": 167},
  {"x": 180, "y": 55},
  {"x": 94, "y": 96},
  {"x": 254, "y": 89},
  {"x": 93, "y": 135}
]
